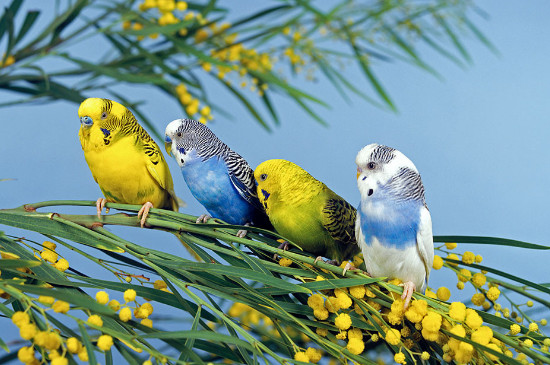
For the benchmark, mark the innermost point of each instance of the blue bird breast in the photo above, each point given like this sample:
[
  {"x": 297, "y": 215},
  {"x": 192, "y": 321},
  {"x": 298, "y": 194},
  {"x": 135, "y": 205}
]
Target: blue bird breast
[
  {"x": 396, "y": 226},
  {"x": 210, "y": 184}
]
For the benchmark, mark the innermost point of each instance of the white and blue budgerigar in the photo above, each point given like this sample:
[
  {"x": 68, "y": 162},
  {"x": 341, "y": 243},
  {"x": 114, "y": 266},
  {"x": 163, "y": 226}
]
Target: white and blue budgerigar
[
  {"x": 393, "y": 226},
  {"x": 219, "y": 178}
]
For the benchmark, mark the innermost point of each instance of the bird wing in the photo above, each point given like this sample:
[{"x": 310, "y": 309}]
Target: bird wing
[
  {"x": 242, "y": 178},
  {"x": 339, "y": 220},
  {"x": 424, "y": 240},
  {"x": 158, "y": 168}
]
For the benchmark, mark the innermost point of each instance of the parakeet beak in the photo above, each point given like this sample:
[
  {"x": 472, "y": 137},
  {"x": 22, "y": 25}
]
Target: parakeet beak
[
  {"x": 168, "y": 145},
  {"x": 86, "y": 121},
  {"x": 359, "y": 171}
]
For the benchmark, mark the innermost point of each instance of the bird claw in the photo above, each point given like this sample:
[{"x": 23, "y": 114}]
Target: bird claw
[
  {"x": 243, "y": 232},
  {"x": 100, "y": 204},
  {"x": 318, "y": 258},
  {"x": 349, "y": 266},
  {"x": 203, "y": 218},
  {"x": 408, "y": 289},
  {"x": 144, "y": 212},
  {"x": 283, "y": 246}
]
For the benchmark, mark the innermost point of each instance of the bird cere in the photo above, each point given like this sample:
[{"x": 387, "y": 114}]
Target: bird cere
[{"x": 391, "y": 227}]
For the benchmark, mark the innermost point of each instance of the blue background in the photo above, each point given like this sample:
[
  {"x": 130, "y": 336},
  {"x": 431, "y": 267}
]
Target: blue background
[{"x": 478, "y": 137}]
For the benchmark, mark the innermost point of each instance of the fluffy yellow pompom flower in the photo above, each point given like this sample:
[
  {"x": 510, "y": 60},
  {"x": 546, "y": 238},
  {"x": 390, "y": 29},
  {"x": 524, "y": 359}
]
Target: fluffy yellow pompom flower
[
  {"x": 443, "y": 293},
  {"x": 432, "y": 322},
  {"x": 478, "y": 299},
  {"x": 473, "y": 320},
  {"x": 102, "y": 297},
  {"x": 495, "y": 347},
  {"x": 20, "y": 318},
  {"x": 399, "y": 358},
  {"x": 344, "y": 301},
  {"x": 393, "y": 336},
  {"x": 343, "y": 321},
  {"x": 83, "y": 355},
  {"x": 417, "y": 310},
  {"x": 315, "y": 301},
  {"x": 356, "y": 346},
  {"x": 285, "y": 262},
  {"x": 147, "y": 307},
  {"x": 453, "y": 256},
  {"x": 332, "y": 304},
  {"x": 301, "y": 356},
  {"x": 26, "y": 355},
  {"x": 357, "y": 291},
  {"x": 468, "y": 257},
  {"x": 125, "y": 314},
  {"x": 62, "y": 265},
  {"x": 464, "y": 275},
  {"x": 320, "y": 313},
  {"x": 49, "y": 255},
  {"x": 74, "y": 346},
  {"x": 464, "y": 353},
  {"x": 314, "y": 355},
  {"x": 425, "y": 356},
  {"x": 104, "y": 342},
  {"x": 147, "y": 322},
  {"x": 95, "y": 320},
  {"x": 479, "y": 258},
  {"x": 60, "y": 361},
  {"x": 450, "y": 245},
  {"x": 515, "y": 329},
  {"x": 533, "y": 327},
  {"x": 60, "y": 306},
  {"x": 28, "y": 331},
  {"x": 460, "y": 285},
  {"x": 49, "y": 244},
  {"x": 479, "y": 279},
  {"x": 493, "y": 293},
  {"x": 483, "y": 335},
  {"x": 438, "y": 262},
  {"x": 129, "y": 295},
  {"x": 160, "y": 284},
  {"x": 457, "y": 311},
  {"x": 323, "y": 332},
  {"x": 44, "y": 299},
  {"x": 114, "y": 305}
]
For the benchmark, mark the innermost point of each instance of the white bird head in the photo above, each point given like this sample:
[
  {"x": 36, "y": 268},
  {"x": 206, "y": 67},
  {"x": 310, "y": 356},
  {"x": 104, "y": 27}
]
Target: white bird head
[
  {"x": 385, "y": 170},
  {"x": 185, "y": 136}
]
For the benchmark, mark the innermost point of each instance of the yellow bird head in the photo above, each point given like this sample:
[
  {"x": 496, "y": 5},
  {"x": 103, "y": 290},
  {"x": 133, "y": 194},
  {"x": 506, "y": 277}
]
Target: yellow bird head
[
  {"x": 281, "y": 179},
  {"x": 103, "y": 113}
]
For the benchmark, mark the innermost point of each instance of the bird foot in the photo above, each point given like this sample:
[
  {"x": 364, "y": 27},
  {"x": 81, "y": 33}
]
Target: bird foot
[
  {"x": 242, "y": 232},
  {"x": 100, "y": 204},
  {"x": 203, "y": 218},
  {"x": 408, "y": 289},
  {"x": 144, "y": 212},
  {"x": 349, "y": 266},
  {"x": 283, "y": 246}
]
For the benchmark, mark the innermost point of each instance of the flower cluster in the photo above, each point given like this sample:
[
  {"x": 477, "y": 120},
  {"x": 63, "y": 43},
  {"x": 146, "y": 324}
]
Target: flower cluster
[{"x": 50, "y": 255}]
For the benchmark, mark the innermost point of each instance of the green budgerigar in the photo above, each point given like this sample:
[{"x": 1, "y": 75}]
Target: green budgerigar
[{"x": 305, "y": 211}]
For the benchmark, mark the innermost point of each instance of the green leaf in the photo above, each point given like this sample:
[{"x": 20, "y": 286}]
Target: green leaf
[
  {"x": 29, "y": 21},
  {"x": 490, "y": 241}
]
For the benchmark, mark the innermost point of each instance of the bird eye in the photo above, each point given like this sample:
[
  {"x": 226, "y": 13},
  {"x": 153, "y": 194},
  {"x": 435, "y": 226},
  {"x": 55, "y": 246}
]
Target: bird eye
[
  {"x": 371, "y": 165},
  {"x": 179, "y": 134},
  {"x": 263, "y": 177},
  {"x": 103, "y": 115}
]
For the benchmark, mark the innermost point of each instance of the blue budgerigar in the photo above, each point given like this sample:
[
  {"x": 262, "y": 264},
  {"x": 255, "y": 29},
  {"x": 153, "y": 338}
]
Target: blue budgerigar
[
  {"x": 394, "y": 226},
  {"x": 219, "y": 178}
]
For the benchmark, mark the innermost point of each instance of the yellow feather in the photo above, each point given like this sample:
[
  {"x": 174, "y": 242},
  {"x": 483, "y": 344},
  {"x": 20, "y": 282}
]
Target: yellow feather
[{"x": 124, "y": 160}]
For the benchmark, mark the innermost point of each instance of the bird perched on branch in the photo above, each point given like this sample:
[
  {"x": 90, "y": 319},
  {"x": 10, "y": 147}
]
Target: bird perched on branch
[
  {"x": 305, "y": 211},
  {"x": 219, "y": 178},
  {"x": 394, "y": 226},
  {"x": 124, "y": 160}
]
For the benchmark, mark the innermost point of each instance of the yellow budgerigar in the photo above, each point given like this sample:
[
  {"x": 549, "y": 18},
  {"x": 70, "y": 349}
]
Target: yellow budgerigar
[
  {"x": 304, "y": 210},
  {"x": 125, "y": 161}
]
